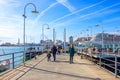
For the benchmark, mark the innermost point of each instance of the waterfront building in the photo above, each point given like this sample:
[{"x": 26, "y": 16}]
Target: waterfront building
[{"x": 109, "y": 40}]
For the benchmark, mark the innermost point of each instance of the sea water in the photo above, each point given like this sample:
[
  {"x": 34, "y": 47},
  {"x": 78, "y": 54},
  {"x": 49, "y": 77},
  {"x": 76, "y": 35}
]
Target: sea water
[{"x": 18, "y": 56}]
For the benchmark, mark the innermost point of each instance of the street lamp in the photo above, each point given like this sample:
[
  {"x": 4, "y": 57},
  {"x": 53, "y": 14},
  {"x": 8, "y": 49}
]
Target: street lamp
[
  {"x": 44, "y": 25},
  {"x": 24, "y": 15},
  {"x": 102, "y": 44},
  {"x": 118, "y": 39},
  {"x": 87, "y": 30},
  {"x": 116, "y": 54},
  {"x": 102, "y": 36}
]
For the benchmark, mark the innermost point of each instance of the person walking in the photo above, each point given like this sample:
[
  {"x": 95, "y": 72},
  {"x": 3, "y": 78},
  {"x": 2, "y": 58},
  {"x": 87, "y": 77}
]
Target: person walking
[
  {"x": 54, "y": 50},
  {"x": 71, "y": 53}
]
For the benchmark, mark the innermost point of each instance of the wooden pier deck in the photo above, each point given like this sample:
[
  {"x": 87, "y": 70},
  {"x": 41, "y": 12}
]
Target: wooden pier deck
[{"x": 40, "y": 69}]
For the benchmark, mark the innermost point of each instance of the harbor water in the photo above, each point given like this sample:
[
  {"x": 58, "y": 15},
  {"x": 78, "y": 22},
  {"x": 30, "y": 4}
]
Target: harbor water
[{"x": 7, "y": 51}]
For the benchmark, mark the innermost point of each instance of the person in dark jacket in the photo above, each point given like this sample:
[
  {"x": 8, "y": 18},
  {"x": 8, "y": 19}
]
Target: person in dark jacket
[
  {"x": 54, "y": 50},
  {"x": 71, "y": 53},
  {"x": 48, "y": 56}
]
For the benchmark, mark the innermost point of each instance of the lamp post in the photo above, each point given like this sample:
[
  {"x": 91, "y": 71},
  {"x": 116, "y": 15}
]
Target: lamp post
[
  {"x": 64, "y": 40},
  {"x": 24, "y": 15},
  {"x": 44, "y": 25},
  {"x": 102, "y": 44},
  {"x": 87, "y": 30},
  {"x": 119, "y": 40},
  {"x": 54, "y": 36},
  {"x": 116, "y": 69},
  {"x": 102, "y": 36},
  {"x": 113, "y": 42}
]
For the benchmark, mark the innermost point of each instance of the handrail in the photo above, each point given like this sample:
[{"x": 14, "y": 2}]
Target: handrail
[
  {"x": 101, "y": 62},
  {"x": 19, "y": 52},
  {"x": 11, "y": 53},
  {"x": 108, "y": 60},
  {"x": 118, "y": 62},
  {"x": 108, "y": 65},
  {"x": 16, "y": 60}
]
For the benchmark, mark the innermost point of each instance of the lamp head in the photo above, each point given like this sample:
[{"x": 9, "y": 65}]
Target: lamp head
[
  {"x": 48, "y": 27},
  {"x": 97, "y": 25},
  {"x": 35, "y": 11}
]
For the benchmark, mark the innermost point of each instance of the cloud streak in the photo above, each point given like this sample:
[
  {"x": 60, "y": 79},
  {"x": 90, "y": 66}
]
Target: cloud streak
[
  {"x": 86, "y": 15},
  {"x": 44, "y": 11},
  {"x": 111, "y": 20},
  {"x": 99, "y": 10},
  {"x": 66, "y": 4},
  {"x": 77, "y": 11}
]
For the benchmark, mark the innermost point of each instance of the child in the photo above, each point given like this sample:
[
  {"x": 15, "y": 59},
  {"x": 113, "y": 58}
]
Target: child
[{"x": 48, "y": 56}]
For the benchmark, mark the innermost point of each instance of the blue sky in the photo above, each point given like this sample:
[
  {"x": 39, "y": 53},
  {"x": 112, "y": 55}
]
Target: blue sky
[{"x": 75, "y": 15}]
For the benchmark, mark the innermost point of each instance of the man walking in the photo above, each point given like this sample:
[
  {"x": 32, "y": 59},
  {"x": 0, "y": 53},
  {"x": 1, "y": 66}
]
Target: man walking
[{"x": 54, "y": 49}]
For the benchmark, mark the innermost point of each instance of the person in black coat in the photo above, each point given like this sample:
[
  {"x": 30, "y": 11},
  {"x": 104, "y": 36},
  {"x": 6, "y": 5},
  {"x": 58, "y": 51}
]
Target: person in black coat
[
  {"x": 48, "y": 56},
  {"x": 71, "y": 53}
]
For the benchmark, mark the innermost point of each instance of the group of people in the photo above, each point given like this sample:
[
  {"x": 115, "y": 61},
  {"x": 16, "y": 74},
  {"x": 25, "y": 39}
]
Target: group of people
[{"x": 55, "y": 50}]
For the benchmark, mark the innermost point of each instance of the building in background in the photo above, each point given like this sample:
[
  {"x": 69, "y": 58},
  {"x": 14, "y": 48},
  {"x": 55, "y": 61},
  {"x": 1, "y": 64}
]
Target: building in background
[{"x": 71, "y": 40}]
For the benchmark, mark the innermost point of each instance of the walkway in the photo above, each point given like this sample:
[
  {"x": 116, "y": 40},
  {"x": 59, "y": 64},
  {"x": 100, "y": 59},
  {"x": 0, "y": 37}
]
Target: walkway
[{"x": 82, "y": 69}]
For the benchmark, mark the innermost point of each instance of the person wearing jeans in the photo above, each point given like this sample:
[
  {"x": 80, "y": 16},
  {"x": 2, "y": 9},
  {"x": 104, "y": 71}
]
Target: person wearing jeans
[{"x": 54, "y": 50}]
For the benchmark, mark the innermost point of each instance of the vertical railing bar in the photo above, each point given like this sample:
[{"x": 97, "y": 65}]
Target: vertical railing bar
[
  {"x": 115, "y": 66},
  {"x": 13, "y": 60}
]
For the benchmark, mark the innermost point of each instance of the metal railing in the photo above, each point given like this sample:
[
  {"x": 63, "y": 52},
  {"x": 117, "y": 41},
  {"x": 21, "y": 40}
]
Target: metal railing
[
  {"x": 12, "y": 60},
  {"x": 110, "y": 64},
  {"x": 113, "y": 65}
]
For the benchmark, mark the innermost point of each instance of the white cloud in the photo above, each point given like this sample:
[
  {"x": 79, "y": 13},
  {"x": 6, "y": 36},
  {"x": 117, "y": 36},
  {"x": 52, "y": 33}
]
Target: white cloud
[
  {"x": 11, "y": 21},
  {"x": 11, "y": 18},
  {"x": 9, "y": 35},
  {"x": 3, "y": 2},
  {"x": 8, "y": 7},
  {"x": 66, "y": 4},
  {"x": 10, "y": 28},
  {"x": 9, "y": 3}
]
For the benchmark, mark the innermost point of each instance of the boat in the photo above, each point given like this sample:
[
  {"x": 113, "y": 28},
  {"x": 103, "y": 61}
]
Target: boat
[{"x": 4, "y": 65}]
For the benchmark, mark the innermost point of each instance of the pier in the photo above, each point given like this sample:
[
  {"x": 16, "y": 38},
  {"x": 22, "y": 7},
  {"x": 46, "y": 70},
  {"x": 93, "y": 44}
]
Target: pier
[
  {"x": 32, "y": 30},
  {"x": 40, "y": 69}
]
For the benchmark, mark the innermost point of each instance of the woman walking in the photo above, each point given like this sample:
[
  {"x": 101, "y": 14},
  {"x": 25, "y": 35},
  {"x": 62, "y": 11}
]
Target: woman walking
[{"x": 71, "y": 52}]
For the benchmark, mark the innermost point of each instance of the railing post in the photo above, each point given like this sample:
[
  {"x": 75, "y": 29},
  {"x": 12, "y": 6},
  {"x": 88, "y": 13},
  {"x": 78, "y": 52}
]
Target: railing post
[
  {"x": 13, "y": 60},
  {"x": 115, "y": 65},
  {"x": 92, "y": 57},
  {"x": 30, "y": 55},
  {"x": 100, "y": 60}
]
